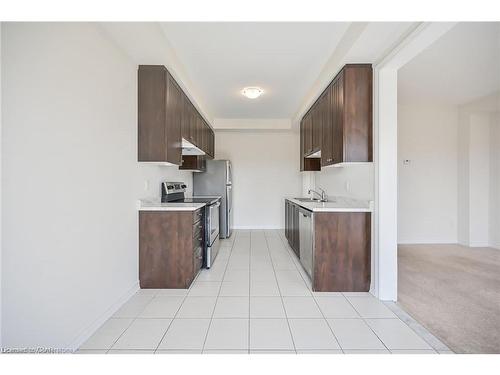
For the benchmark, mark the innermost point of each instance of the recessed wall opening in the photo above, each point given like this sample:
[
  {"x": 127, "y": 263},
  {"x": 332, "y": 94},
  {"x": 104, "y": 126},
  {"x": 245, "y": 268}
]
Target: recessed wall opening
[{"x": 448, "y": 187}]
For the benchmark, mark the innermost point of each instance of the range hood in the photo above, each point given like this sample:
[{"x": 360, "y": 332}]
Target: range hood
[
  {"x": 190, "y": 149},
  {"x": 315, "y": 155}
]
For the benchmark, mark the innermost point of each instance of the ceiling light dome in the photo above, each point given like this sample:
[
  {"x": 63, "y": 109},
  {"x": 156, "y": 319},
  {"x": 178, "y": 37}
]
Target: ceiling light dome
[{"x": 252, "y": 92}]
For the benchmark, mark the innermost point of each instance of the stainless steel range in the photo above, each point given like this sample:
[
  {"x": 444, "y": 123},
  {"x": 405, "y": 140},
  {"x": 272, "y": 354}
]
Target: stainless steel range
[{"x": 175, "y": 192}]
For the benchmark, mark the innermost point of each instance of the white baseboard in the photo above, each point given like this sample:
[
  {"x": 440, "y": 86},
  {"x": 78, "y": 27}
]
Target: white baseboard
[
  {"x": 92, "y": 328},
  {"x": 427, "y": 242},
  {"x": 257, "y": 227}
]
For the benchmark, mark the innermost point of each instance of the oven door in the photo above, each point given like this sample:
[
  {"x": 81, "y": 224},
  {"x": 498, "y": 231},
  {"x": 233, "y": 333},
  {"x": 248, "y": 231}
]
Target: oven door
[
  {"x": 212, "y": 245},
  {"x": 213, "y": 222}
]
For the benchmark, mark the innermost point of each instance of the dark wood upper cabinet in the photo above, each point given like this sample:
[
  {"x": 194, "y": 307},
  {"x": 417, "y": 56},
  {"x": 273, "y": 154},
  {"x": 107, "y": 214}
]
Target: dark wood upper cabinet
[
  {"x": 357, "y": 113},
  {"x": 159, "y": 125},
  {"x": 165, "y": 116},
  {"x": 339, "y": 123}
]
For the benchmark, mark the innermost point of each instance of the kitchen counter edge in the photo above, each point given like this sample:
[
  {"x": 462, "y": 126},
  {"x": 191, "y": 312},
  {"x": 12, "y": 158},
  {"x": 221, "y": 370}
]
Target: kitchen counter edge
[
  {"x": 147, "y": 205},
  {"x": 350, "y": 205}
]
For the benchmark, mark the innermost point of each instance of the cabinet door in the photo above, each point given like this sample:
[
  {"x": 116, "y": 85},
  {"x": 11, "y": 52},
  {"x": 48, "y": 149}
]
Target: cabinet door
[
  {"x": 307, "y": 134},
  {"x": 198, "y": 131},
  {"x": 192, "y": 123},
  {"x": 301, "y": 145},
  {"x": 206, "y": 137},
  {"x": 338, "y": 120},
  {"x": 286, "y": 220},
  {"x": 174, "y": 121},
  {"x": 297, "y": 232},
  {"x": 152, "y": 96},
  {"x": 212, "y": 143},
  {"x": 357, "y": 113},
  {"x": 317, "y": 124},
  {"x": 327, "y": 128},
  {"x": 185, "y": 125}
]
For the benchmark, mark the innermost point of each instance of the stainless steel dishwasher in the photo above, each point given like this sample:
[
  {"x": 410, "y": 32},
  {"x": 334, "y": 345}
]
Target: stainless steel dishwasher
[{"x": 306, "y": 240}]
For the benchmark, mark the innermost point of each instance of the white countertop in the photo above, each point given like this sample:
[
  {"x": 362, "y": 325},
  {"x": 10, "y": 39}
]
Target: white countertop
[
  {"x": 157, "y": 205},
  {"x": 336, "y": 204}
]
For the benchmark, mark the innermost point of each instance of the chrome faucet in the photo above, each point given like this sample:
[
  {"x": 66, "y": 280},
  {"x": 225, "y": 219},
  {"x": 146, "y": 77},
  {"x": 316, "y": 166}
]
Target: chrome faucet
[{"x": 323, "y": 197}]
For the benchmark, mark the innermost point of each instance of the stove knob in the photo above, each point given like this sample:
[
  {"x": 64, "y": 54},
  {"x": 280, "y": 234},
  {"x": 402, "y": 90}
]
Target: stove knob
[{"x": 183, "y": 186}]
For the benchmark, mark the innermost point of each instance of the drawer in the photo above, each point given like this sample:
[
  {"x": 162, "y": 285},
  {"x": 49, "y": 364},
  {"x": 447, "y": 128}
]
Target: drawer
[
  {"x": 197, "y": 227},
  {"x": 198, "y": 214},
  {"x": 197, "y": 259},
  {"x": 197, "y": 239}
]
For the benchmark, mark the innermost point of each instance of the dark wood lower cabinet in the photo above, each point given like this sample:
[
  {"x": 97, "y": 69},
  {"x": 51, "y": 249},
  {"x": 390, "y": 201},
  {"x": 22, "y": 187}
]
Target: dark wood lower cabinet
[
  {"x": 342, "y": 247},
  {"x": 170, "y": 248},
  {"x": 292, "y": 226}
]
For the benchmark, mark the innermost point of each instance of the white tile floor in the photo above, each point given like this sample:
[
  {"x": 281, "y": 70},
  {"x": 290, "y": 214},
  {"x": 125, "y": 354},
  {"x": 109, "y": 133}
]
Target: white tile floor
[{"x": 255, "y": 299}]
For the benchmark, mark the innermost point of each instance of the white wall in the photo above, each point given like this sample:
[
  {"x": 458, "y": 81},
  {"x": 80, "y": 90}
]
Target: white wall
[
  {"x": 427, "y": 186},
  {"x": 463, "y": 179},
  {"x": 265, "y": 171},
  {"x": 70, "y": 182},
  {"x": 350, "y": 180},
  {"x": 495, "y": 180},
  {"x": 478, "y": 177}
]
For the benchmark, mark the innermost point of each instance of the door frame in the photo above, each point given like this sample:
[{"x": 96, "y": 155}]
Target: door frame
[{"x": 385, "y": 83}]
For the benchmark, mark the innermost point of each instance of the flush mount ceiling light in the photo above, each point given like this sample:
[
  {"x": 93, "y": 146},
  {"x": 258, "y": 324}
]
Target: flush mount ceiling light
[{"x": 252, "y": 92}]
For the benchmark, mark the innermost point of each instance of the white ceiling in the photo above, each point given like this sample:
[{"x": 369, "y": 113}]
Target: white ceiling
[
  {"x": 283, "y": 58},
  {"x": 461, "y": 66}
]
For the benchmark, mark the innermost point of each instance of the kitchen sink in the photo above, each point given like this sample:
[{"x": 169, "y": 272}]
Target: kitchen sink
[{"x": 308, "y": 199}]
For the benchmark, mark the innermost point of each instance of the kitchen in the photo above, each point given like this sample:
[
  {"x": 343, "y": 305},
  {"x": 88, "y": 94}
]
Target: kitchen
[
  {"x": 231, "y": 206},
  {"x": 336, "y": 130}
]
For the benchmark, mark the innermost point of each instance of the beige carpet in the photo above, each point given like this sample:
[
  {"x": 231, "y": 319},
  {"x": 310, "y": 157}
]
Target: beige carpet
[{"x": 454, "y": 291}]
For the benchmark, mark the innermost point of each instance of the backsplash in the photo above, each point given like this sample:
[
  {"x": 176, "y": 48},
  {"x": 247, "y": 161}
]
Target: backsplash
[{"x": 354, "y": 180}]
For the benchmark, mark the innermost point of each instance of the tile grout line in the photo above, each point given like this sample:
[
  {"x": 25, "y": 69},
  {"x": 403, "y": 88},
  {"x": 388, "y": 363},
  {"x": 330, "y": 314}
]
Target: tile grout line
[
  {"x": 316, "y": 302},
  {"x": 218, "y": 294},
  {"x": 281, "y": 296},
  {"x": 361, "y": 317},
  {"x": 292, "y": 256},
  {"x": 175, "y": 315},
  {"x": 133, "y": 320},
  {"x": 414, "y": 320}
]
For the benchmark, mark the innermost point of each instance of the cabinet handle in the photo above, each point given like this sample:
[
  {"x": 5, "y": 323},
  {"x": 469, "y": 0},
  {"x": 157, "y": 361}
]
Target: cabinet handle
[{"x": 200, "y": 239}]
